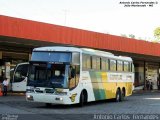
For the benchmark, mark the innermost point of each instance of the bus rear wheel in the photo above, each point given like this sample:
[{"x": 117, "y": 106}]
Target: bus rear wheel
[
  {"x": 123, "y": 94},
  {"x": 118, "y": 96}
]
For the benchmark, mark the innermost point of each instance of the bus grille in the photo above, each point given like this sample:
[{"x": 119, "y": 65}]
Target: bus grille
[
  {"x": 49, "y": 90},
  {"x": 38, "y": 91}
]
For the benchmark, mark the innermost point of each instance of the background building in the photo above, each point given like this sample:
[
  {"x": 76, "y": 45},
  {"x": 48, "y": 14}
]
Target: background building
[{"x": 18, "y": 37}]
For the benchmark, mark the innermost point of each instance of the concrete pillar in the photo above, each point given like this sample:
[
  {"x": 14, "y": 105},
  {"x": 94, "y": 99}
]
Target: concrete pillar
[
  {"x": 30, "y": 56},
  {"x": 158, "y": 80},
  {"x": 145, "y": 69},
  {"x": 0, "y": 66},
  {"x": 7, "y": 70}
]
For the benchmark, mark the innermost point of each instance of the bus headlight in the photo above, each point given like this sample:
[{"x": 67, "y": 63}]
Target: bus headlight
[
  {"x": 29, "y": 97},
  {"x": 59, "y": 99}
]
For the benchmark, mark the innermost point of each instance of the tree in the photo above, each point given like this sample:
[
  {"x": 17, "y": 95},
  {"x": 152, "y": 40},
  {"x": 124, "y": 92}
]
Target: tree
[
  {"x": 157, "y": 33},
  {"x": 131, "y": 36}
]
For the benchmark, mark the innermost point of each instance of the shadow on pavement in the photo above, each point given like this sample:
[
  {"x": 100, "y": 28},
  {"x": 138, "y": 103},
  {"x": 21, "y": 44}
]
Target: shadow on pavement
[{"x": 55, "y": 106}]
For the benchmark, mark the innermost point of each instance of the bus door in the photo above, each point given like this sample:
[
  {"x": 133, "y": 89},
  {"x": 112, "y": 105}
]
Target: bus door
[{"x": 20, "y": 77}]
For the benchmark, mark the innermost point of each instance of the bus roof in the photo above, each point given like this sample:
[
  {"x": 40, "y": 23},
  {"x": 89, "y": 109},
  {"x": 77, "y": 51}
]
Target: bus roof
[
  {"x": 58, "y": 48},
  {"x": 83, "y": 50}
]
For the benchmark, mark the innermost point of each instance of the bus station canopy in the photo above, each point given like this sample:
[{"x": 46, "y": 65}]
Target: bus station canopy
[{"x": 27, "y": 34}]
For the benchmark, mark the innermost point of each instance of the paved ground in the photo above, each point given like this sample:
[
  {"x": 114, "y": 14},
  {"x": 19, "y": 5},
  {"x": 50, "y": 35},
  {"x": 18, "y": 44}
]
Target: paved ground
[{"x": 147, "y": 103}]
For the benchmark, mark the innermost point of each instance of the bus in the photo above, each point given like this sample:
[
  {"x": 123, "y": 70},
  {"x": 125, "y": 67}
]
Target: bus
[
  {"x": 71, "y": 75},
  {"x": 18, "y": 77}
]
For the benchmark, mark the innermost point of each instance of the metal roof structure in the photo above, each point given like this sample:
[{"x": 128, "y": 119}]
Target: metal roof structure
[{"x": 29, "y": 34}]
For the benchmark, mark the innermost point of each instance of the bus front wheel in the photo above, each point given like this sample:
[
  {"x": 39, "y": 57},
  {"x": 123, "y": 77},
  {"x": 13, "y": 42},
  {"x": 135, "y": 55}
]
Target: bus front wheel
[
  {"x": 83, "y": 98},
  {"x": 81, "y": 103},
  {"x": 48, "y": 104}
]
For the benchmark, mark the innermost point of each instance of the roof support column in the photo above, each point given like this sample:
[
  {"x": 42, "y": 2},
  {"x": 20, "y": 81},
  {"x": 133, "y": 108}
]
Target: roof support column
[
  {"x": 158, "y": 80},
  {"x": 145, "y": 69}
]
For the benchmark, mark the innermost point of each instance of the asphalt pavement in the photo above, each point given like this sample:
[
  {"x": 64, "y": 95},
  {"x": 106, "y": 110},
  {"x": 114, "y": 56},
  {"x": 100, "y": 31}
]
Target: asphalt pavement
[{"x": 147, "y": 103}]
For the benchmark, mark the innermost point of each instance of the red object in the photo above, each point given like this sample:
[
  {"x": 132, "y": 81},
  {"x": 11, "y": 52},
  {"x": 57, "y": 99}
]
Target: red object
[
  {"x": 1, "y": 94},
  {"x": 32, "y": 30}
]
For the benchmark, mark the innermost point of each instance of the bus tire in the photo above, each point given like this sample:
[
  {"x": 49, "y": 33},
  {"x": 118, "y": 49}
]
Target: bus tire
[
  {"x": 48, "y": 104},
  {"x": 83, "y": 98},
  {"x": 118, "y": 96},
  {"x": 123, "y": 94}
]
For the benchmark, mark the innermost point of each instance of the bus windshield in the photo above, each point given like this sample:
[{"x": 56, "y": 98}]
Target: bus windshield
[
  {"x": 48, "y": 75},
  {"x": 20, "y": 72}
]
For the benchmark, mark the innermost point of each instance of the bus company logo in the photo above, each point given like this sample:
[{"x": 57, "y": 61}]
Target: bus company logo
[{"x": 73, "y": 96}]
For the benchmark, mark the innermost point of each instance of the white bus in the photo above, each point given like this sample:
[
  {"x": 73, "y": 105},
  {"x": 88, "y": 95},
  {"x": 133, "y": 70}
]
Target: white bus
[
  {"x": 70, "y": 75},
  {"x": 18, "y": 77}
]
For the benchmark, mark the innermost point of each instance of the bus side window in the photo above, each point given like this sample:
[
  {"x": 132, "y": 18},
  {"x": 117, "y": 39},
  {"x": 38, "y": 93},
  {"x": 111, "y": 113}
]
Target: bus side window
[
  {"x": 132, "y": 67},
  {"x": 98, "y": 66},
  {"x": 71, "y": 72},
  {"x": 21, "y": 73},
  {"x": 86, "y": 61},
  {"x": 74, "y": 74},
  {"x": 113, "y": 65},
  {"x": 94, "y": 63},
  {"x": 103, "y": 64},
  {"x": 126, "y": 66},
  {"x": 119, "y": 65}
]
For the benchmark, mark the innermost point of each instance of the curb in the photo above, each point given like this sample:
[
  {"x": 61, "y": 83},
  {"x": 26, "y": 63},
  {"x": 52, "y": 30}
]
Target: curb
[
  {"x": 140, "y": 92},
  {"x": 15, "y": 94}
]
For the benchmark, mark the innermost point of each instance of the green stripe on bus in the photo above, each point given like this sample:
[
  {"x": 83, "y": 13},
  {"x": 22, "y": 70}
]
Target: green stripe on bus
[{"x": 97, "y": 84}]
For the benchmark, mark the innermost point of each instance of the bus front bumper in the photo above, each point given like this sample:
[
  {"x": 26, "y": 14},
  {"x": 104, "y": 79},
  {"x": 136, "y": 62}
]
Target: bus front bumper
[{"x": 48, "y": 98}]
